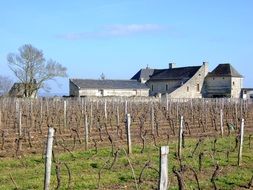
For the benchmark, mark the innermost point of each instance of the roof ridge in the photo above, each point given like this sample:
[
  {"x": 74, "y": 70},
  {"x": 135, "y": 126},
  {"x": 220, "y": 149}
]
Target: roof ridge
[
  {"x": 225, "y": 69},
  {"x": 129, "y": 80}
]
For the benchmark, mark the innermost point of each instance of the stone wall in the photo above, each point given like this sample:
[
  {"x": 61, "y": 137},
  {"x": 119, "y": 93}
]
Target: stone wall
[
  {"x": 110, "y": 92},
  {"x": 73, "y": 89},
  {"x": 126, "y": 92},
  {"x": 164, "y": 86},
  {"x": 194, "y": 87},
  {"x": 223, "y": 86},
  {"x": 218, "y": 86},
  {"x": 237, "y": 84}
]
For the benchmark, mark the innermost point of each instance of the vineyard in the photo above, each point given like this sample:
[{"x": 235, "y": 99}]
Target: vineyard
[{"x": 96, "y": 128}]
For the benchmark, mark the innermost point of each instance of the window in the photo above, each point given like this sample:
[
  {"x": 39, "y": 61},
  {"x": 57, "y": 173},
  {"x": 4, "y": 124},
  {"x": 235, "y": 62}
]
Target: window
[
  {"x": 233, "y": 83},
  {"x": 152, "y": 87},
  {"x": 198, "y": 88},
  {"x": 188, "y": 88},
  {"x": 166, "y": 87}
]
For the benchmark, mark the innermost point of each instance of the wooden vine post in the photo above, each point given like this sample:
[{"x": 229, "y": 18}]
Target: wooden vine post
[
  {"x": 17, "y": 113},
  {"x": 86, "y": 131},
  {"x": 105, "y": 110},
  {"x": 91, "y": 117},
  {"x": 48, "y": 158},
  {"x": 177, "y": 113},
  {"x": 65, "y": 113},
  {"x": 19, "y": 129},
  {"x": 241, "y": 108},
  {"x": 163, "y": 179},
  {"x": 128, "y": 126},
  {"x": 236, "y": 116},
  {"x": 82, "y": 106},
  {"x": 152, "y": 120},
  {"x": 221, "y": 122},
  {"x": 20, "y": 123},
  {"x": 117, "y": 115},
  {"x": 47, "y": 107},
  {"x": 167, "y": 103},
  {"x": 31, "y": 113},
  {"x": 126, "y": 110},
  {"x": 241, "y": 143},
  {"x": 41, "y": 110},
  {"x": 180, "y": 137}
]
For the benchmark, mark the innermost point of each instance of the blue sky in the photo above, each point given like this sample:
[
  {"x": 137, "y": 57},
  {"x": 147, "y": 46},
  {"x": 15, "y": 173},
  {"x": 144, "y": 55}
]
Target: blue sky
[{"x": 118, "y": 37}]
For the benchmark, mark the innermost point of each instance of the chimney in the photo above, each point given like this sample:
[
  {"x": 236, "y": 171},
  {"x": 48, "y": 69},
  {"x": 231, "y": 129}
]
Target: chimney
[
  {"x": 205, "y": 64},
  {"x": 172, "y": 65}
]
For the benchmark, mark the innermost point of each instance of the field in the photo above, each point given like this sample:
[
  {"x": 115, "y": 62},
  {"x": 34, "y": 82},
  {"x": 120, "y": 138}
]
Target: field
[{"x": 90, "y": 146}]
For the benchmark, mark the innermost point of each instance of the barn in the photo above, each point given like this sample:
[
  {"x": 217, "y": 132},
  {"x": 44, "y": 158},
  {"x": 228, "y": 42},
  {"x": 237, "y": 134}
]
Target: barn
[{"x": 100, "y": 88}]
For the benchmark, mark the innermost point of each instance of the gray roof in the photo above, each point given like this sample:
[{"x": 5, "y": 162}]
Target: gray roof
[
  {"x": 175, "y": 73},
  {"x": 18, "y": 89},
  {"x": 143, "y": 74},
  {"x": 108, "y": 84},
  {"x": 225, "y": 70},
  {"x": 247, "y": 89}
]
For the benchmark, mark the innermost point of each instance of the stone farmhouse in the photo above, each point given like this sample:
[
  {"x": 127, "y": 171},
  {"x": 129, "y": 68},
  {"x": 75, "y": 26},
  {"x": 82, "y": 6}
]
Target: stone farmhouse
[
  {"x": 89, "y": 87},
  {"x": 192, "y": 81},
  {"x": 174, "y": 82}
]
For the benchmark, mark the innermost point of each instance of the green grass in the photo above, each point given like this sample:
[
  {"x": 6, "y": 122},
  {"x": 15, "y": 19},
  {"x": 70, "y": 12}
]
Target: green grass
[{"x": 28, "y": 171}]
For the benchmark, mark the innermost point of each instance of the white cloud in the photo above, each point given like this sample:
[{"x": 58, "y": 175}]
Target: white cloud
[
  {"x": 122, "y": 30},
  {"x": 115, "y": 31}
]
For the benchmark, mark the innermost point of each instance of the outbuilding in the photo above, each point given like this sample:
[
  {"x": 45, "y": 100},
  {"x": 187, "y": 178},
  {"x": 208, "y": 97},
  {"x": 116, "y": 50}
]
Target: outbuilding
[{"x": 99, "y": 88}]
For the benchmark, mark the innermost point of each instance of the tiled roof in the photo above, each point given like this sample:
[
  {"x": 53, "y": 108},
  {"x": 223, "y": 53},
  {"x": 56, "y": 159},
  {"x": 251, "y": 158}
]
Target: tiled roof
[
  {"x": 17, "y": 89},
  {"x": 175, "y": 73},
  {"x": 143, "y": 73},
  {"x": 223, "y": 70},
  {"x": 108, "y": 84}
]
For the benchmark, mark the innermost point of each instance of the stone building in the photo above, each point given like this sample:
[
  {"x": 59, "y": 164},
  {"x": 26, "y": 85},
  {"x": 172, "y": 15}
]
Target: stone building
[
  {"x": 181, "y": 82},
  {"x": 192, "y": 81},
  {"x": 89, "y": 87},
  {"x": 18, "y": 90},
  {"x": 223, "y": 81}
]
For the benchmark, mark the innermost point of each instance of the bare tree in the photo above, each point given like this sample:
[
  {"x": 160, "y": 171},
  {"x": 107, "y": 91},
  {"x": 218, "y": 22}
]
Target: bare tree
[
  {"x": 32, "y": 69},
  {"x": 5, "y": 85}
]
